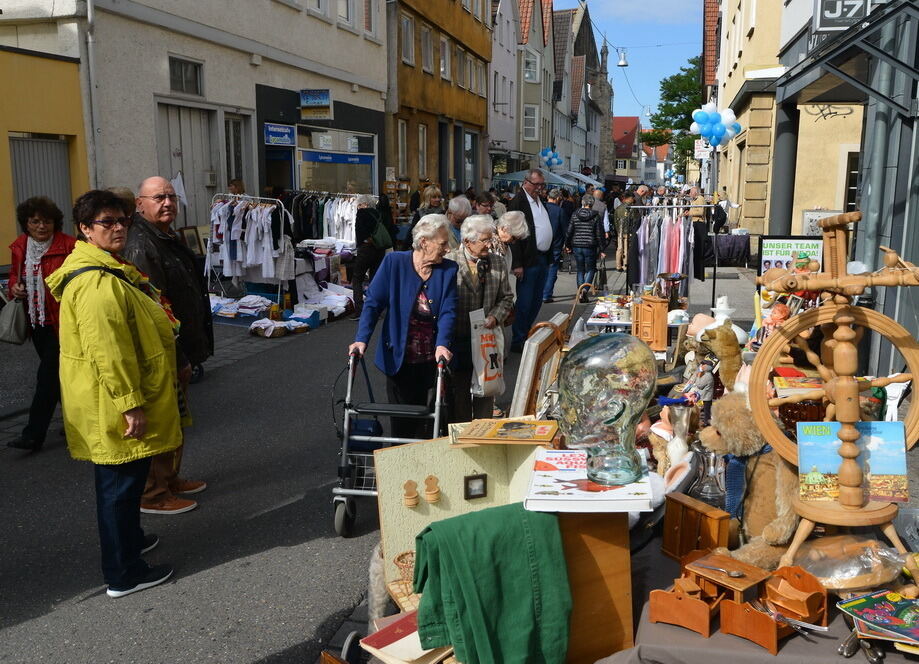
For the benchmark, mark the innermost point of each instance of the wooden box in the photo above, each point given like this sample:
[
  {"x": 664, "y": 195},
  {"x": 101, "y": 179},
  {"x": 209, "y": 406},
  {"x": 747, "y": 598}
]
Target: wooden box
[
  {"x": 649, "y": 321},
  {"x": 690, "y": 525}
]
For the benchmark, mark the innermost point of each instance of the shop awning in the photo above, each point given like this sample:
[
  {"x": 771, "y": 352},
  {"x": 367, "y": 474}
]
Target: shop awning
[
  {"x": 583, "y": 178},
  {"x": 520, "y": 176}
]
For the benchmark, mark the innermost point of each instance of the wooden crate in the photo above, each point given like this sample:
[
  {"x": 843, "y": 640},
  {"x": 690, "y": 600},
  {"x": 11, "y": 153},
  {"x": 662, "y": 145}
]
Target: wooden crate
[{"x": 690, "y": 525}]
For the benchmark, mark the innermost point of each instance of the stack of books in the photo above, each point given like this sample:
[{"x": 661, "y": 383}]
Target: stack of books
[
  {"x": 887, "y": 616},
  {"x": 396, "y": 641}
]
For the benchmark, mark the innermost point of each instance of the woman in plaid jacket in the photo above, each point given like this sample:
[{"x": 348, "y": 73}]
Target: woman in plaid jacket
[{"x": 482, "y": 283}]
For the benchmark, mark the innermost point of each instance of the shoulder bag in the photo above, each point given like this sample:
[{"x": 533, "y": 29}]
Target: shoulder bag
[{"x": 14, "y": 325}]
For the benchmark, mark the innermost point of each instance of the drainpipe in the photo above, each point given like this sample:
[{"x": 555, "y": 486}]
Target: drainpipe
[
  {"x": 392, "y": 87},
  {"x": 95, "y": 129}
]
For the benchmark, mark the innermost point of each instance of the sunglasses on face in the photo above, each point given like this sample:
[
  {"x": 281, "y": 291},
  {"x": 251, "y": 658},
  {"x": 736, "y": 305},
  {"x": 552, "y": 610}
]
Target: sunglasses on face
[{"x": 108, "y": 223}]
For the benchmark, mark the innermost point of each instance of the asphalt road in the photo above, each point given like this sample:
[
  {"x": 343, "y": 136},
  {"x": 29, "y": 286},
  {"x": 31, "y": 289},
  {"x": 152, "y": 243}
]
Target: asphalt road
[{"x": 260, "y": 575}]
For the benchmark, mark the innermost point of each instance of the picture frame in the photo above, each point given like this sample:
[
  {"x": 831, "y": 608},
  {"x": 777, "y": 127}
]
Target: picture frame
[
  {"x": 475, "y": 486},
  {"x": 189, "y": 237},
  {"x": 539, "y": 363}
]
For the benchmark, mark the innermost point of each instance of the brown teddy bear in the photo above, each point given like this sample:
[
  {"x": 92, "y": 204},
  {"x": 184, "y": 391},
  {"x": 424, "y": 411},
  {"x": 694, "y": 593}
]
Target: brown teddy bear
[
  {"x": 766, "y": 517},
  {"x": 723, "y": 343}
]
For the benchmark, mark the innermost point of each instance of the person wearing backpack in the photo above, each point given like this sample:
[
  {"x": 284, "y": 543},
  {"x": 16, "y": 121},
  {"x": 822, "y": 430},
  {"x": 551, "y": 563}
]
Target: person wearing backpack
[{"x": 372, "y": 239}]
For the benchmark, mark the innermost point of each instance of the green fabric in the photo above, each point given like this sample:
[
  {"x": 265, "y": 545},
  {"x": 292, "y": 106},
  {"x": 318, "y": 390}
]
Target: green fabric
[{"x": 494, "y": 585}]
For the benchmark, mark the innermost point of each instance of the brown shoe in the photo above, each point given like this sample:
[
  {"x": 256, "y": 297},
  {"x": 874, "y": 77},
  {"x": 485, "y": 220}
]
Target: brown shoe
[
  {"x": 172, "y": 505},
  {"x": 187, "y": 486}
]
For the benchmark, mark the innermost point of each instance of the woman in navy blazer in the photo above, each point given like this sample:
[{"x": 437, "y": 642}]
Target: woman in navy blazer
[{"x": 418, "y": 288}]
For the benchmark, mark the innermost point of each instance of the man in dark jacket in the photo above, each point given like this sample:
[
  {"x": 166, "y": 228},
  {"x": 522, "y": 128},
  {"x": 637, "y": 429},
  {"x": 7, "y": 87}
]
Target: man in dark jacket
[
  {"x": 585, "y": 238},
  {"x": 531, "y": 256},
  {"x": 368, "y": 256},
  {"x": 559, "y": 226},
  {"x": 155, "y": 249}
]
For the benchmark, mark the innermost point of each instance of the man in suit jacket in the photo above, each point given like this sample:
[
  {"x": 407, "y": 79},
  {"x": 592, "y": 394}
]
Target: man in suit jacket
[
  {"x": 530, "y": 256},
  {"x": 481, "y": 283},
  {"x": 559, "y": 228}
]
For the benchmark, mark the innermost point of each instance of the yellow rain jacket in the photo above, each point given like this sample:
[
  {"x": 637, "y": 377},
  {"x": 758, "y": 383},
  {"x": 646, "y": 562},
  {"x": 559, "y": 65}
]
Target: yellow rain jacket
[{"x": 117, "y": 353}]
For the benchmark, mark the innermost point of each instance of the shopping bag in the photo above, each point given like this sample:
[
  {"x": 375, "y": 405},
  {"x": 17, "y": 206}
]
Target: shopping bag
[
  {"x": 14, "y": 327},
  {"x": 487, "y": 357}
]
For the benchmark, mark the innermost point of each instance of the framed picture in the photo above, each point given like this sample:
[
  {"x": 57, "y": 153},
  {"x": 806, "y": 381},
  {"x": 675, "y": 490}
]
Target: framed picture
[
  {"x": 781, "y": 251},
  {"x": 191, "y": 240},
  {"x": 475, "y": 486},
  {"x": 538, "y": 366}
]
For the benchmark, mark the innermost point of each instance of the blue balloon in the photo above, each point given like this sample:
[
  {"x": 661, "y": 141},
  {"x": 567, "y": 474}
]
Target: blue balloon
[
  {"x": 736, "y": 127},
  {"x": 558, "y": 161},
  {"x": 705, "y": 130},
  {"x": 700, "y": 116},
  {"x": 719, "y": 129},
  {"x": 715, "y": 141}
]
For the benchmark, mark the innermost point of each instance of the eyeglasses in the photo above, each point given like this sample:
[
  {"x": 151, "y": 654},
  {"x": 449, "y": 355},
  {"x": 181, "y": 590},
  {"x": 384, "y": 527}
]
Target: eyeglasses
[
  {"x": 161, "y": 198},
  {"x": 108, "y": 223},
  {"x": 538, "y": 185},
  {"x": 40, "y": 221}
]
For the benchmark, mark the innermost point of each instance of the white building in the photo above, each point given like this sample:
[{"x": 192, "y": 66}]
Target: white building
[
  {"x": 503, "y": 130},
  {"x": 214, "y": 93}
]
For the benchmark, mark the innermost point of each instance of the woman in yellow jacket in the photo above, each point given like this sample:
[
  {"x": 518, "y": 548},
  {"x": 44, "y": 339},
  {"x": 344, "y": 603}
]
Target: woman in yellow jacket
[{"x": 118, "y": 382}]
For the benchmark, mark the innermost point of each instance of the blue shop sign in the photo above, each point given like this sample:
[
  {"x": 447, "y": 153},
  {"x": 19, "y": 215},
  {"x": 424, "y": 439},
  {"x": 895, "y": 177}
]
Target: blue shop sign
[
  {"x": 278, "y": 134},
  {"x": 335, "y": 157}
]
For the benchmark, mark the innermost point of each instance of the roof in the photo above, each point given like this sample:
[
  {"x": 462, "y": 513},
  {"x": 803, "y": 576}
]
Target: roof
[
  {"x": 526, "y": 17},
  {"x": 578, "y": 69},
  {"x": 546, "y": 21},
  {"x": 625, "y": 129},
  {"x": 561, "y": 29},
  {"x": 660, "y": 152}
]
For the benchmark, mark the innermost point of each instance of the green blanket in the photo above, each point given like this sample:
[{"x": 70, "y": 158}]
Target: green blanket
[{"x": 494, "y": 585}]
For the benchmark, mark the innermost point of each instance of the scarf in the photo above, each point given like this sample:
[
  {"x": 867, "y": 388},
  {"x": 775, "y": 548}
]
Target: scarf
[{"x": 34, "y": 280}]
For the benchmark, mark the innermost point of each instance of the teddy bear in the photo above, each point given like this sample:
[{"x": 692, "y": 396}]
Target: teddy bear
[
  {"x": 759, "y": 492},
  {"x": 723, "y": 343}
]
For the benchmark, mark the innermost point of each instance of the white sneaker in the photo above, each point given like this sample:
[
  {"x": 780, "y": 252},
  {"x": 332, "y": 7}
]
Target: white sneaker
[{"x": 154, "y": 577}]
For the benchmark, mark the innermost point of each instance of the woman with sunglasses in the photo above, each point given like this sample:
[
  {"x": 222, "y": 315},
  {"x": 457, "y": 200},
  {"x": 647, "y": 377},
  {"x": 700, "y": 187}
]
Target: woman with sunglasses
[
  {"x": 118, "y": 382},
  {"x": 39, "y": 251}
]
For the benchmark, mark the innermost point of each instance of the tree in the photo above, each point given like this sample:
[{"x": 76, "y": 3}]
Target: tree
[{"x": 681, "y": 94}]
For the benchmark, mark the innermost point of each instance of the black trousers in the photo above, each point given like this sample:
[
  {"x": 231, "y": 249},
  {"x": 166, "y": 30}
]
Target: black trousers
[
  {"x": 47, "y": 384},
  {"x": 412, "y": 384},
  {"x": 118, "y": 490},
  {"x": 366, "y": 262}
]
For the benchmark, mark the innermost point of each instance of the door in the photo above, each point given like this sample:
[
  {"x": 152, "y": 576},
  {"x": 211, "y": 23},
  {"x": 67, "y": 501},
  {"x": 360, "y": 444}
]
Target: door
[
  {"x": 41, "y": 167},
  {"x": 186, "y": 142}
]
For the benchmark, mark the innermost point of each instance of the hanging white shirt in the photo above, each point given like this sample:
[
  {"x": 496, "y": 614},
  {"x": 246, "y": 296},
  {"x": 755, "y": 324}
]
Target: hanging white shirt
[{"x": 541, "y": 222}]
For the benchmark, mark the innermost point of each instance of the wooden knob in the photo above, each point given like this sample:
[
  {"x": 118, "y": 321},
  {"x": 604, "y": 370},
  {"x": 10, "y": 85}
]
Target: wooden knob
[
  {"x": 410, "y": 497},
  {"x": 431, "y": 489}
]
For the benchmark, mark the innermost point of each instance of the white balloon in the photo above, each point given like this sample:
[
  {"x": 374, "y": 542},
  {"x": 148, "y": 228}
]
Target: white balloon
[
  {"x": 710, "y": 107},
  {"x": 729, "y": 133},
  {"x": 694, "y": 128},
  {"x": 728, "y": 117}
]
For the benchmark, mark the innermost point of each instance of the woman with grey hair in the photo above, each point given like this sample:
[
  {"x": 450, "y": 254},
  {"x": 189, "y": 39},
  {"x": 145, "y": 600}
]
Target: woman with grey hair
[
  {"x": 368, "y": 256},
  {"x": 458, "y": 209},
  {"x": 482, "y": 283},
  {"x": 417, "y": 290}
]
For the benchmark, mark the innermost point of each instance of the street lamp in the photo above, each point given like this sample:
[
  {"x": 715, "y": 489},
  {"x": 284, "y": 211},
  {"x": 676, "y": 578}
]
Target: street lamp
[{"x": 622, "y": 61}]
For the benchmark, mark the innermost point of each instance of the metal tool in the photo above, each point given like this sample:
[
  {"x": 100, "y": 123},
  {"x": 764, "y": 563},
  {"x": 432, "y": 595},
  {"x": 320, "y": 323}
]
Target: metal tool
[
  {"x": 873, "y": 654},
  {"x": 849, "y": 645},
  {"x": 733, "y": 573},
  {"x": 777, "y": 616},
  {"x": 793, "y": 621}
]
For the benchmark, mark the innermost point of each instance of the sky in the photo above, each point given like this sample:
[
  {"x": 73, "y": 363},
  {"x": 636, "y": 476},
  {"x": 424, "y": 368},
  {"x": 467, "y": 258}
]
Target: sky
[{"x": 637, "y": 26}]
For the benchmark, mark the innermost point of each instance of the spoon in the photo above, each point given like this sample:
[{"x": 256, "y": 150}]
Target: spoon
[{"x": 733, "y": 573}]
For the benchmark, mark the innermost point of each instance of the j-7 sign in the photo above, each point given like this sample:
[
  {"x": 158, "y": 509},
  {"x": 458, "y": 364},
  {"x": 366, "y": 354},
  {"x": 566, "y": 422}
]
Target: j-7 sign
[{"x": 833, "y": 15}]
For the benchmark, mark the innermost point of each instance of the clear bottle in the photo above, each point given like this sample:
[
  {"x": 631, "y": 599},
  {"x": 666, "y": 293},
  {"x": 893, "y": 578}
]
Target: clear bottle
[{"x": 709, "y": 484}]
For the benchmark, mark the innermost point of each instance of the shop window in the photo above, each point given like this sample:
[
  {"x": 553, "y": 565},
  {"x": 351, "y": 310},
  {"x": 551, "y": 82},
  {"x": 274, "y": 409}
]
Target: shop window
[
  {"x": 427, "y": 50},
  {"x": 422, "y": 150},
  {"x": 185, "y": 76},
  {"x": 531, "y": 67},
  {"x": 408, "y": 40},
  {"x": 530, "y": 122},
  {"x": 445, "y": 58},
  {"x": 403, "y": 147}
]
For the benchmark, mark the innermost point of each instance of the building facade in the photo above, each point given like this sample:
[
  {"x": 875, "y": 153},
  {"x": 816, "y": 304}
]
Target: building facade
[
  {"x": 171, "y": 87},
  {"x": 443, "y": 49},
  {"x": 503, "y": 129},
  {"x": 627, "y": 142},
  {"x": 536, "y": 76}
]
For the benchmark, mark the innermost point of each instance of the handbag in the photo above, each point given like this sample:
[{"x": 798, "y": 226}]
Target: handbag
[
  {"x": 381, "y": 238},
  {"x": 14, "y": 326},
  {"x": 487, "y": 357}
]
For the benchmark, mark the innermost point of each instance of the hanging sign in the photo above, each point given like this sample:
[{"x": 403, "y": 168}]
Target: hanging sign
[
  {"x": 316, "y": 104},
  {"x": 702, "y": 149},
  {"x": 279, "y": 134},
  {"x": 811, "y": 223},
  {"x": 837, "y": 15},
  {"x": 335, "y": 157}
]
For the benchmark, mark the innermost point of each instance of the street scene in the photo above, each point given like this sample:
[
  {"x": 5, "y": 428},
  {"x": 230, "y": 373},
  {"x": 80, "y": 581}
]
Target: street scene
[{"x": 458, "y": 331}]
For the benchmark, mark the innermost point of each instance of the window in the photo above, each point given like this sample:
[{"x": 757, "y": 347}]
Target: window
[
  {"x": 530, "y": 122},
  {"x": 512, "y": 101},
  {"x": 633, "y": 164},
  {"x": 370, "y": 17},
  {"x": 620, "y": 164},
  {"x": 531, "y": 67},
  {"x": 508, "y": 101},
  {"x": 422, "y": 150},
  {"x": 495, "y": 92},
  {"x": 460, "y": 67},
  {"x": 344, "y": 10},
  {"x": 477, "y": 9},
  {"x": 466, "y": 4},
  {"x": 483, "y": 86},
  {"x": 445, "y": 58},
  {"x": 470, "y": 74},
  {"x": 185, "y": 76},
  {"x": 408, "y": 40},
  {"x": 403, "y": 146},
  {"x": 233, "y": 135},
  {"x": 427, "y": 50}
]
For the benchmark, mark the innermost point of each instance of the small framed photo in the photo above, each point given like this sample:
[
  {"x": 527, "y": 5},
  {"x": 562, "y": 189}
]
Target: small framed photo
[
  {"x": 190, "y": 239},
  {"x": 475, "y": 486}
]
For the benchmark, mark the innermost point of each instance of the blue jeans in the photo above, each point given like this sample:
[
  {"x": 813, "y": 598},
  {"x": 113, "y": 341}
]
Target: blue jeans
[
  {"x": 552, "y": 275},
  {"x": 118, "y": 491},
  {"x": 586, "y": 259},
  {"x": 529, "y": 297}
]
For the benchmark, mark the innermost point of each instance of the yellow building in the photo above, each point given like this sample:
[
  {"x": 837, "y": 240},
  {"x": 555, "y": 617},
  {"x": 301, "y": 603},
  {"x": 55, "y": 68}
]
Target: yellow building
[
  {"x": 43, "y": 147},
  {"x": 443, "y": 49}
]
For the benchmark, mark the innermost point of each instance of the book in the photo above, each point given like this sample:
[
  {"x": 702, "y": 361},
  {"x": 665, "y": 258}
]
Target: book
[
  {"x": 787, "y": 386},
  {"x": 887, "y": 612},
  {"x": 508, "y": 432},
  {"x": 398, "y": 643},
  {"x": 882, "y": 458},
  {"x": 559, "y": 484}
]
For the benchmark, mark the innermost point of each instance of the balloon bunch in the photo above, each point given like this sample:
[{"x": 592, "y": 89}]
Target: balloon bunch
[
  {"x": 550, "y": 157},
  {"x": 716, "y": 127},
  {"x": 669, "y": 173}
]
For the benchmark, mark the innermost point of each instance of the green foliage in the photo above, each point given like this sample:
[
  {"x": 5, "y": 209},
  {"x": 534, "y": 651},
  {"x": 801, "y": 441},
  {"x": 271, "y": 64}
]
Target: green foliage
[{"x": 681, "y": 94}]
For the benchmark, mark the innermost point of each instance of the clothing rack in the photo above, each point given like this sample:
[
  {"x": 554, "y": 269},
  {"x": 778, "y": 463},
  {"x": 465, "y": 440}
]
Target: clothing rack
[
  {"x": 314, "y": 192},
  {"x": 665, "y": 207}
]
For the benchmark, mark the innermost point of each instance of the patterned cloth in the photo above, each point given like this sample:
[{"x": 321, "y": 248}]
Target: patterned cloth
[
  {"x": 498, "y": 299},
  {"x": 420, "y": 343},
  {"x": 34, "y": 281}
]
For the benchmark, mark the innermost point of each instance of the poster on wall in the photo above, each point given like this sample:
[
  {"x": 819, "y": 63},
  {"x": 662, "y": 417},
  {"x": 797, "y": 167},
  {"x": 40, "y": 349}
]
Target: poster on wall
[
  {"x": 811, "y": 224},
  {"x": 782, "y": 251},
  {"x": 316, "y": 104}
]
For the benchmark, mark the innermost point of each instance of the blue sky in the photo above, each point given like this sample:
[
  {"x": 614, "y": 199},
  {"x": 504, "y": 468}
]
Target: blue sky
[{"x": 644, "y": 24}]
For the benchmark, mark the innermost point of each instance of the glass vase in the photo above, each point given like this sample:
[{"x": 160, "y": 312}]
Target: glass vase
[{"x": 709, "y": 484}]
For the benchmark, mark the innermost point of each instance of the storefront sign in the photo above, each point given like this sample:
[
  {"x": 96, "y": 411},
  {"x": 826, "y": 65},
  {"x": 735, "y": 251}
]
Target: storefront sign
[
  {"x": 811, "y": 223},
  {"x": 783, "y": 250},
  {"x": 278, "y": 134},
  {"x": 335, "y": 157},
  {"x": 324, "y": 141},
  {"x": 702, "y": 149},
  {"x": 832, "y": 16},
  {"x": 316, "y": 104}
]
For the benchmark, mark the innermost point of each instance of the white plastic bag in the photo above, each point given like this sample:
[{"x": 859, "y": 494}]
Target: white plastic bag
[{"x": 487, "y": 357}]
